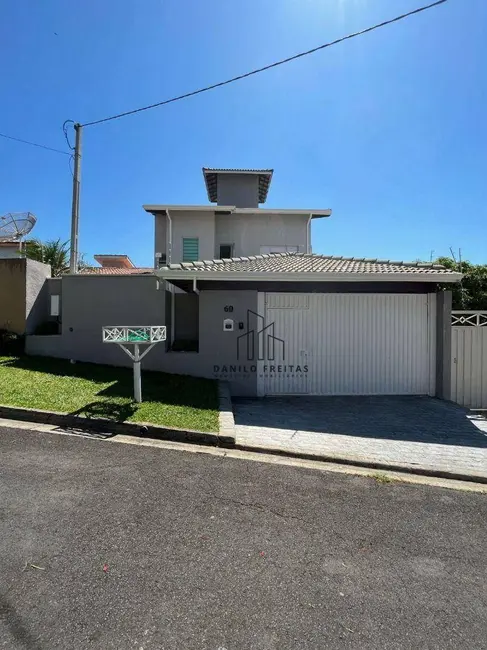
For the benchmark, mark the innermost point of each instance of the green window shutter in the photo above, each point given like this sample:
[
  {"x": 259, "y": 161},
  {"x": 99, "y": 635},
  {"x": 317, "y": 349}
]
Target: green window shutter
[{"x": 190, "y": 249}]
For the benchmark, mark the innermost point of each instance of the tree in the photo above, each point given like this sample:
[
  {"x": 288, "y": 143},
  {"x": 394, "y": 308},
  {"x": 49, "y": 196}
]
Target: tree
[
  {"x": 471, "y": 292},
  {"x": 52, "y": 252}
]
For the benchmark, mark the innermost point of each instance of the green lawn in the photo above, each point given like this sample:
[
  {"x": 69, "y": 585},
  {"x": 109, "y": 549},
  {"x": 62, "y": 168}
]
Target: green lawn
[{"x": 105, "y": 391}]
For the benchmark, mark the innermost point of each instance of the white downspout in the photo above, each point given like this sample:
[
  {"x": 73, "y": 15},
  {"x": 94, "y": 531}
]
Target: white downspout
[
  {"x": 169, "y": 238},
  {"x": 308, "y": 237},
  {"x": 169, "y": 261}
]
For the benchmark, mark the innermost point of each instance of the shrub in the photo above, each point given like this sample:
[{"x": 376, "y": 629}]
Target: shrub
[{"x": 11, "y": 343}]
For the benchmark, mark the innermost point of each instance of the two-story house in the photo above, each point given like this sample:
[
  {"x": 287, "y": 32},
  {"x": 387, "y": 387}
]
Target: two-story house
[
  {"x": 235, "y": 226},
  {"x": 244, "y": 299}
]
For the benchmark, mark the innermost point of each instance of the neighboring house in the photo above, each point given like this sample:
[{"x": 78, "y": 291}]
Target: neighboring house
[
  {"x": 9, "y": 249},
  {"x": 245, "y": 300},
  {"x": 115, "y": 265}
]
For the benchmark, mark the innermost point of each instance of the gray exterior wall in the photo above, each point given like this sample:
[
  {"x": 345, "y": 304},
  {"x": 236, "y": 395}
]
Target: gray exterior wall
[
  {"x": 186, "y": 224},
  {"x": 238, "y": 189},
  {"x": 219, "y": 348},
  {"x": 36, "y": 291},
  {"x": 248, "y": 232},
  {"x": 90, "y": 302},
  {"x": 160, "y": 225},
  {"x": 22, "y": 294},
  {"x": 443, "y": 344}
]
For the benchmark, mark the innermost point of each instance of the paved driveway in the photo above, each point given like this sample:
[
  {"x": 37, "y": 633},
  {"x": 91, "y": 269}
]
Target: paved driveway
[{"x": 412, "y": 432}]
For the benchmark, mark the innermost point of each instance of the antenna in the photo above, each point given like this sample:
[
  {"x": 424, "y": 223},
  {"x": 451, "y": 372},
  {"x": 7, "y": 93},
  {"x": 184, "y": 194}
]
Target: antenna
[{"x": 15, "y": 225}]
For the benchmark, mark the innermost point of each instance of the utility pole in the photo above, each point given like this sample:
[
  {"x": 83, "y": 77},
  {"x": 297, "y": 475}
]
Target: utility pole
[{"x": 74, "y": 253}]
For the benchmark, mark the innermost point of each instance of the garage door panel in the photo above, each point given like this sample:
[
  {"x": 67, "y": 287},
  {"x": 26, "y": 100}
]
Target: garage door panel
[
  {"x": 364, "y": 344},
  {"x": 284, "y": 366}
]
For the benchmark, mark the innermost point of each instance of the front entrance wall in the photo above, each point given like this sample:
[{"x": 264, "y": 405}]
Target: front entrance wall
[
  {"x": 90, "y": 302},
  {"x": 223, "y": 353},
  {"x": 351, "y": 343}
]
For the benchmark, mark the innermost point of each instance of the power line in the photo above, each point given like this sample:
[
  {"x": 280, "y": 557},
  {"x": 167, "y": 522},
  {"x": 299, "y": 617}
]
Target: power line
[
  {"x": 33, "y": 144},
  {"x": 70, "y": 160},
  {"x": 65, "y": 131},
  {"x": 267, "y": 67}
]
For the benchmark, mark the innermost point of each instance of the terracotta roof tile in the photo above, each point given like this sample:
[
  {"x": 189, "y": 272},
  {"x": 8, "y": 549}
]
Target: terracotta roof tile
[{"x": 112, "y": 270}]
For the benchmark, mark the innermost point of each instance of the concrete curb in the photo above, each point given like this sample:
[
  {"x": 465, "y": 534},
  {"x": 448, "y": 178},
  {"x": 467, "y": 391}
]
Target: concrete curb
[
  {"x": 101, "y": 425},
  {"x": 226, "y": 437},
  {"x": 226, "y": 420},
  {"x": 359, "y": 462}
]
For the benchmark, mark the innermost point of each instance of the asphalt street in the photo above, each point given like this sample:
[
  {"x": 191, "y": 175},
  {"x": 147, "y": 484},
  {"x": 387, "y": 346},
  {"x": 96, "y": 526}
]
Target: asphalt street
[{"x": 114, "y": 546}]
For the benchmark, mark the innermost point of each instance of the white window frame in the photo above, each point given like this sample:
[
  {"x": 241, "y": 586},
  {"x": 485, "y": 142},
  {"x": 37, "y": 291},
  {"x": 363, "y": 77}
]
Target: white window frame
[
  {"x": 54, "y": 307},
  {"x": 182, "y": 248}
]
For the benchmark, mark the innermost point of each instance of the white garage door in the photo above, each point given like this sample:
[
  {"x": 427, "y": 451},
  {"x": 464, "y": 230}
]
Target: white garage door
[{"x": 347, "y": 344}]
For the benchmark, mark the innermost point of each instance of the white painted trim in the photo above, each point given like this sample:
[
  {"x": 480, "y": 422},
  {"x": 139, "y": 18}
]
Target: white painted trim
[
  {"x": 311, "y": 213},
  {"x": 431, "y": 305},
  {"x": 231, "y": 208},
  {"x": 188, "y": 208},
  {"x": 298, "y": 276},
  {"x": 469, "y": 311}
]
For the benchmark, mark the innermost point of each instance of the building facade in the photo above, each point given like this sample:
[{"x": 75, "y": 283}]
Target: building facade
[{"x": 244, "y": 299}]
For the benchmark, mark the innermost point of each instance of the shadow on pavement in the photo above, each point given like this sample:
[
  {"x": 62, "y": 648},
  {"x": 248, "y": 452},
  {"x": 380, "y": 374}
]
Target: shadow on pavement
[{"x": 416, "y": 419}]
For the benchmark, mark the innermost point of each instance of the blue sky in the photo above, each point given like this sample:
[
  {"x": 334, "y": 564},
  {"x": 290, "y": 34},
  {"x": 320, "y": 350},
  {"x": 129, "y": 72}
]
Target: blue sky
[{"x": 388, "y": 129}]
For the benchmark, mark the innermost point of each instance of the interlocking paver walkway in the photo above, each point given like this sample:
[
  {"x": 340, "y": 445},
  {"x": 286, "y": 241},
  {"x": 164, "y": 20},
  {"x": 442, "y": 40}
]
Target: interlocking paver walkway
[{"x": 412, "y": 432}]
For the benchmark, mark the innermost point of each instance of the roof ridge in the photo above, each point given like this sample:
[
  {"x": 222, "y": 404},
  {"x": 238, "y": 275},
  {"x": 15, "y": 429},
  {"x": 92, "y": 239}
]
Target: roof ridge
[{"x": 371, "y": 260}]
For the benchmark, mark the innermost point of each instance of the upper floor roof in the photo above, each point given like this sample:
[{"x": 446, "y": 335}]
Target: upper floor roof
[
  {"x": 231, "y": 209},
  {"x": 212, "y": 177}
]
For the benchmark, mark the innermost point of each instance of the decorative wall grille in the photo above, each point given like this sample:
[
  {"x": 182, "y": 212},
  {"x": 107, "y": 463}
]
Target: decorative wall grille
[
  {"x": 134, "y": 334},
  {"x": 469, "y": 318}
]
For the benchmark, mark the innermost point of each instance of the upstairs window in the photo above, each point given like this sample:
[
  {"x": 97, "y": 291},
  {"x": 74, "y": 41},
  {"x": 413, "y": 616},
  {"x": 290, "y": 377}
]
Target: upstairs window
[
  {"x": 161, "y": 260},
  {"x": 190, "y": 249},
  {"x": 226, "y": 251}
]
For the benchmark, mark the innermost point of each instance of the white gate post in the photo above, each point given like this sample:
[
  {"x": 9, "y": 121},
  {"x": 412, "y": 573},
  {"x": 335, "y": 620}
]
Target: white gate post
[{"x": 137, "y": 380}]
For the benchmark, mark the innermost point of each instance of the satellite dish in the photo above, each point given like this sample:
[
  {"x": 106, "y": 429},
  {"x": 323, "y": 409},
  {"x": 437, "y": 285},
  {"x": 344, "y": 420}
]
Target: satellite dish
[{"x": 15, "y": 225}]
